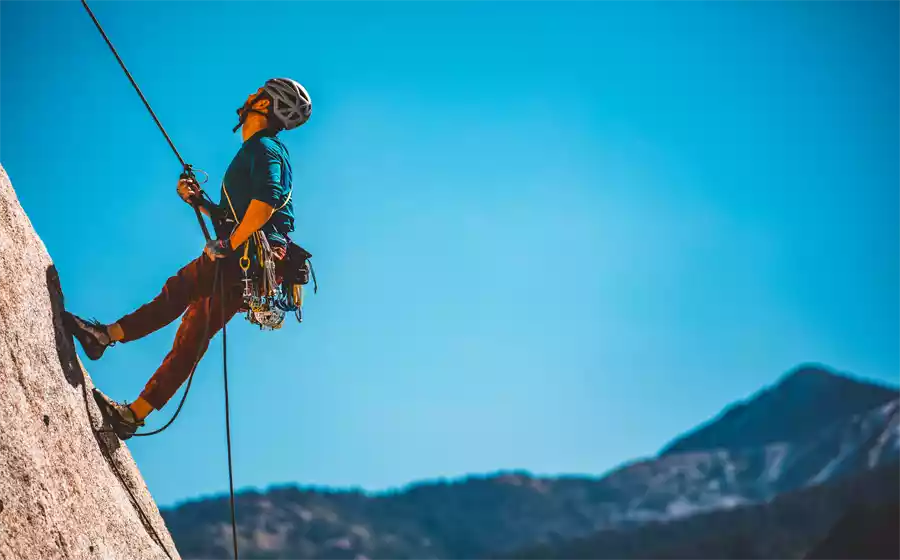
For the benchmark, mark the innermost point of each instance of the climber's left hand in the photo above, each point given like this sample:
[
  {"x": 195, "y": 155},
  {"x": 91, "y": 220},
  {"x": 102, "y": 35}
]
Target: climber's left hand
[{"x": 218, "y": 249}]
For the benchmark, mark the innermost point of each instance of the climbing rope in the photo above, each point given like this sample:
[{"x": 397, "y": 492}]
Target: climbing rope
[
  {"x": 227, "y": 419},
  {"x": 186, "y": 167},
  {"x": 188, "y": 173}
]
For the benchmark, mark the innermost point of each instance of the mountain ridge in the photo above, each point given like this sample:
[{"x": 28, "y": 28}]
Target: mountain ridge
[
  {"x": 787, "y": 410},
  {"x": 797, "y": 524},
  {"x": 474, "y": 515},
  {"x": 800, "y": 369}
]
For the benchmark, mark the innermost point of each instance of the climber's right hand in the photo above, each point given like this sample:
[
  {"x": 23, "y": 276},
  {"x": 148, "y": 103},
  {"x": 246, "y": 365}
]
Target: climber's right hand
[{"x": 188, "y": 190}]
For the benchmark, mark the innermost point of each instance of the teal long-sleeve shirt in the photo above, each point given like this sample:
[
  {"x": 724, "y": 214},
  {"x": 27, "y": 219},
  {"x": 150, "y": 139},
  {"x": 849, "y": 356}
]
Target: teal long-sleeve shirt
[{"x": 261, "y": 170}]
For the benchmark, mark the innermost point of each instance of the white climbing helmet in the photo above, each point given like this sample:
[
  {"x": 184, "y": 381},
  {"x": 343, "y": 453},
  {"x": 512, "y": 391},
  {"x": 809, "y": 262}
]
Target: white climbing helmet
[{"x": 291, "y": 104}]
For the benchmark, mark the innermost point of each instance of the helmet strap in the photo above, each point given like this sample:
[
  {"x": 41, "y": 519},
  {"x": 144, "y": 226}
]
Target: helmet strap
[{"x": 247, "y": 109}]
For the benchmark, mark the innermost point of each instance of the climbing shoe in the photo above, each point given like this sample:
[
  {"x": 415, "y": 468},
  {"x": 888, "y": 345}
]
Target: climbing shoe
[
  {"x": 119, "y": 415},
  {"x": 92, "y": 335}
]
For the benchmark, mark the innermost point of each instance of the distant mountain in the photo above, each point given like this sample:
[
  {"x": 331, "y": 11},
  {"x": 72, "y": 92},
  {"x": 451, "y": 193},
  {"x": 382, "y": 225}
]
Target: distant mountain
[
  {"x": 480, "y": 515},
  {"x": 679, "y": 484},
  {"x": 851, "y": 517},
  {"x": 805, "y": 401}
]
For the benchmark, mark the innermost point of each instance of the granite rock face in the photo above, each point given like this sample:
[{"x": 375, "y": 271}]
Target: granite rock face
[{"x": 66, "y": 491}]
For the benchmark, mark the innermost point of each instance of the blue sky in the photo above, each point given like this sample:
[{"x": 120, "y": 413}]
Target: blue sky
[{"x": 549, "y": 236}]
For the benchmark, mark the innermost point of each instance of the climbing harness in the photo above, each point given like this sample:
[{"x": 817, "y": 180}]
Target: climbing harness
[{"x": 267, "y": 301}]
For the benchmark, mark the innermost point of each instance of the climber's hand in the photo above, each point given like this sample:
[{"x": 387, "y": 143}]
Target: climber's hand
[
  {"x": 218, "y": 249},
  {"x": 188, "y": 190}
]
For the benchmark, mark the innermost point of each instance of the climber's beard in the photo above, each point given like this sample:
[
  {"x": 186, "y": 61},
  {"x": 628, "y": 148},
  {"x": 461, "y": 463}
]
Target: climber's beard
[
  {"x": 242, "y": 112},
  {"x": 247, "y": 108}
]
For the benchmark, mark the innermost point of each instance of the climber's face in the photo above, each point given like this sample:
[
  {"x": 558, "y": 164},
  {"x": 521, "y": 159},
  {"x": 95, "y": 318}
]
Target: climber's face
[{"x": 253, "y": 115}]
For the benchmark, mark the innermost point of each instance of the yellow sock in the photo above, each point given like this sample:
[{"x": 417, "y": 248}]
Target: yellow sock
[
  {"x": 115, "y": 332},
  {"x": 141, "y": 408}
]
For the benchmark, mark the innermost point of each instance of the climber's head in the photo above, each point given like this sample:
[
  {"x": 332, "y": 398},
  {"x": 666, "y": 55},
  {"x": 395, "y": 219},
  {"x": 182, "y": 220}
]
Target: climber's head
[{"x": 281, "y": 104}]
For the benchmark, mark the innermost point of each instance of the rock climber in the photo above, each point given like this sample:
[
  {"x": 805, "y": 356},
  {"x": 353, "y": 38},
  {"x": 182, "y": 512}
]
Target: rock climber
[{"x": 255, "y": 196}]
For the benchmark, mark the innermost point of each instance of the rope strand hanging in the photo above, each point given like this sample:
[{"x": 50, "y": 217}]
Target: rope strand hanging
[{"x": 186, "y": 167}]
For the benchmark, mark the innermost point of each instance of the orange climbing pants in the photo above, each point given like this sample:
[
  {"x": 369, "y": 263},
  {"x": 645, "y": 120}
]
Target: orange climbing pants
[{"x": 189, "y": 292}]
